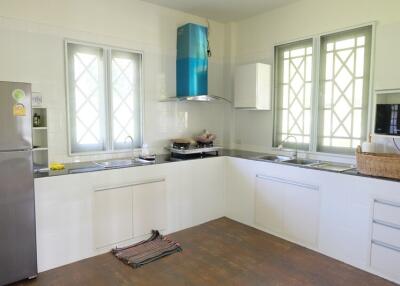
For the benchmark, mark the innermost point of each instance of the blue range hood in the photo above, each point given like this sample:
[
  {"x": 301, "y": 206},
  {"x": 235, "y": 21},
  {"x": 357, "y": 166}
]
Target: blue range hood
[
  {"x": 192, "y": 65},
  {"x": 192, "y": 61}
]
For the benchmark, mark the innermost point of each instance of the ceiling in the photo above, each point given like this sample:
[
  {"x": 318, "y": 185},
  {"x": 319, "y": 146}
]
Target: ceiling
[{"x": 222, "y": 10}]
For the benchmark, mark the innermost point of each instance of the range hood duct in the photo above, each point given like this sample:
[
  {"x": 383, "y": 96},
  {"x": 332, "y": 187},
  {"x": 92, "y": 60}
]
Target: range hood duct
[
  {"x": 192, "y": 65},
  {"x": 192, "y": 61}
]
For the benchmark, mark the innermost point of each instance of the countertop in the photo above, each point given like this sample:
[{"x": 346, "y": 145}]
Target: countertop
[{"x": 86, "y": 167}]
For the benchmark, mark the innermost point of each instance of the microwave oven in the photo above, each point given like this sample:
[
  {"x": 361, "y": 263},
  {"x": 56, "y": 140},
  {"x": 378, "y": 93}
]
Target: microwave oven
[{"x": 387, "y": 120}]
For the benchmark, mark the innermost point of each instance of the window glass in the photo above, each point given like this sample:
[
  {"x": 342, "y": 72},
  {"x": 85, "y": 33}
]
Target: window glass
[
  {"x": 86, "y": 98},
  {"x": 125, "y": 98},
  {"x": 338, "y": 122},
  {"x": 104, "y": 98},
  {"x": 293, "y": 103},
  {"x": 344, "y": 77}
]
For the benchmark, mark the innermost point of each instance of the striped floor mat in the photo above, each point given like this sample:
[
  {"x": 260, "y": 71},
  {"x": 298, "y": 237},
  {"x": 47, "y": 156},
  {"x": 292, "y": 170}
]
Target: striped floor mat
[{"x": 146, "y": 251}]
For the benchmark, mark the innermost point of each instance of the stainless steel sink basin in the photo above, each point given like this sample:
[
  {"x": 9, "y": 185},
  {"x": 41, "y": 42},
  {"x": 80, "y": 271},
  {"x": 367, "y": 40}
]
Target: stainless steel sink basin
[
  {"x": 274, "y": 158},
  {"x": 117, "y": 163},
  {"x": 303, "y": 162}
]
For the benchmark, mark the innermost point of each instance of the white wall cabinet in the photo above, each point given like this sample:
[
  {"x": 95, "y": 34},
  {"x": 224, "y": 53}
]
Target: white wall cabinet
[
  {"x": 253, "y": 87},
  {"x": 112, "y": 216},
  {"x": 288, "y": 208}
]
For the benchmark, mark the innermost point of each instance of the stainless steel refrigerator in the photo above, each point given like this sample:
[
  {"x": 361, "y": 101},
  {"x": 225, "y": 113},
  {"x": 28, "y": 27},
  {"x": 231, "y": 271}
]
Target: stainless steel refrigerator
[{"x": 17, "y": 204}]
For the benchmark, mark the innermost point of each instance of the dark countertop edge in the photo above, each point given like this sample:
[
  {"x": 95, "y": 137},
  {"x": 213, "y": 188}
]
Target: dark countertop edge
[{"x": 89, "y": 167}]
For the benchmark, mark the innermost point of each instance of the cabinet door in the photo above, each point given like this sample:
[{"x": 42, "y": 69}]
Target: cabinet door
[
  {"x": 149, "y": 208},
  {"x": 301, "y": 219},
  {"x": 288, "y": 208},
  {"x": 112, "y": 216},
  {"x": 245, "y": 86},
  {"x": 269, "y": 204},
  {"x": 207, "y": 188},
  {"x": 240, "y": 186}
]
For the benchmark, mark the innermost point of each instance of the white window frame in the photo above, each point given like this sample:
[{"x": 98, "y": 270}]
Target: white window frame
[
  {"x": 295, "y": 45},
  {"x": 316, "y": 38},
  {"x": 108, "y": 113}
]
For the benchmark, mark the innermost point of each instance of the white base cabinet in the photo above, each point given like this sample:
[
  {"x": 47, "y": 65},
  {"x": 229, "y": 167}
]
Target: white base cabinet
[
  {"x": 149, "y": 208},
  {"x": 335, "y": 214},
  {"x": 112, "y": 216},
  {"x": 288, "y": 208},
  {"x": 82, "y": 215},
  {"x": 386, "y": 260},
  {"x": 127, "y": 212},
  {"x": 269, "y": 205},
  {"x": 328, "y": 212},
  {"x": 385, "y": 242}
]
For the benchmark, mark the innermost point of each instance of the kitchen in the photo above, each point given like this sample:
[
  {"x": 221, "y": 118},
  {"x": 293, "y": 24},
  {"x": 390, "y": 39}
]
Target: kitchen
[{"x": 269, "y": 172}]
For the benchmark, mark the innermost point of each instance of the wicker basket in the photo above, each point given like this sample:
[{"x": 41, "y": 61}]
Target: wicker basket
[{"x": 380, "y": 165}]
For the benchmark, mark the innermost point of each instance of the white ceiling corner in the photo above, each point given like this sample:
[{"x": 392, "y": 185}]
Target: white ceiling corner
[{"x": 222, "y": 10}]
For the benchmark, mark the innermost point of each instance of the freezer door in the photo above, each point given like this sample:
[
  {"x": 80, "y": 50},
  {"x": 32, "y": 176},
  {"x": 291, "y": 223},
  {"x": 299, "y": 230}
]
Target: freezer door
[
  {"x": 15, "y": 116},
  {"x": 17, "y": 217}
]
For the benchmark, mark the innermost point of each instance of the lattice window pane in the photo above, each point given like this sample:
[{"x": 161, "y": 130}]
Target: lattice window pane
[
  {"x": 344, "y": 74},
  {"x": 86, "y": 101},
  {"x": 294, "y": 81},
  {"x": 125, "y": 76},
  {"x": 104, "y": 98}
]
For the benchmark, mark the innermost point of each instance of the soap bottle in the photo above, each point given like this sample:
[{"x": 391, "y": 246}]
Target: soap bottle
[{"x": 36, "y": 120}]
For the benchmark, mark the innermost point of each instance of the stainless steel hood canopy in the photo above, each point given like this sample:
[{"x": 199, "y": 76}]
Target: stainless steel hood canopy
[{"x": 197, "y": 98}]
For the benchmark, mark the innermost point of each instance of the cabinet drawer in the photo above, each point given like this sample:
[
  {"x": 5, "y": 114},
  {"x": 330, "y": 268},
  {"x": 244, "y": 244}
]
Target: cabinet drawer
[
  {"x": 386, "y": 234},
  {"x": 387, "y": 212},
  {"x": 386, "y": 260}
]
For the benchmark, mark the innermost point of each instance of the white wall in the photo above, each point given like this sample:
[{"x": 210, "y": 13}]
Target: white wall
[
  {"x": 31, "y": 50},
  {"x": 255, "y": 37}
]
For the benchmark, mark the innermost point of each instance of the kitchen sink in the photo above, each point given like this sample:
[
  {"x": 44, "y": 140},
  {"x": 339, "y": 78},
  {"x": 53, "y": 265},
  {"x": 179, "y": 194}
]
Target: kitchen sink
[
  {"x": 274, "y": 158},
  {"x": 303, "y": 162},
  {"x": 337, "y": 167},
  {"x": 117, "y": 163}
]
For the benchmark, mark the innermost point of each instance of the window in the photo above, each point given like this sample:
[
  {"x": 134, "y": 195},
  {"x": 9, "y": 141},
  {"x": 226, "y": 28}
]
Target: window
[
  {"x": 344, "y": 81},
  {"x": 104, "y": 98},
  {"x": 330, "y": 116},
  {"x": 294, "y": 82}
]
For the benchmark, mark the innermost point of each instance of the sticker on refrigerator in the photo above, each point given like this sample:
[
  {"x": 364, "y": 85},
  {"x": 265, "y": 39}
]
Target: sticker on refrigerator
[
  {"x": 19, "y": 109},
  {"x": 18, "y": 95}
]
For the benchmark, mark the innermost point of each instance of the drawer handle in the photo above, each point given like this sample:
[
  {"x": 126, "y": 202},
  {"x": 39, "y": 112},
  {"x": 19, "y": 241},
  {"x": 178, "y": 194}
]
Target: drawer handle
[
  {"x": 388, "y": 203},
  {"x": 144, "y": 182},
  {"x": 387, "y": 224},
  {"x": 284, "y": 181},
  {"x": 385, "y": 245}
]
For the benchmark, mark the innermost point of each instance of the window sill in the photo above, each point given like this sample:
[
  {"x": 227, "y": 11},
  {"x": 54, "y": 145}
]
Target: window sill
[{"x": 100, "y": 153}]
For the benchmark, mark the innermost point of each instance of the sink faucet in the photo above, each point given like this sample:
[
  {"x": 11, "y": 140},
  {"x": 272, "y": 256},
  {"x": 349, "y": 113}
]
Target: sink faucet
[
  {"x": 132, "y": 145},
  {"x": 280, "y": 146}
]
